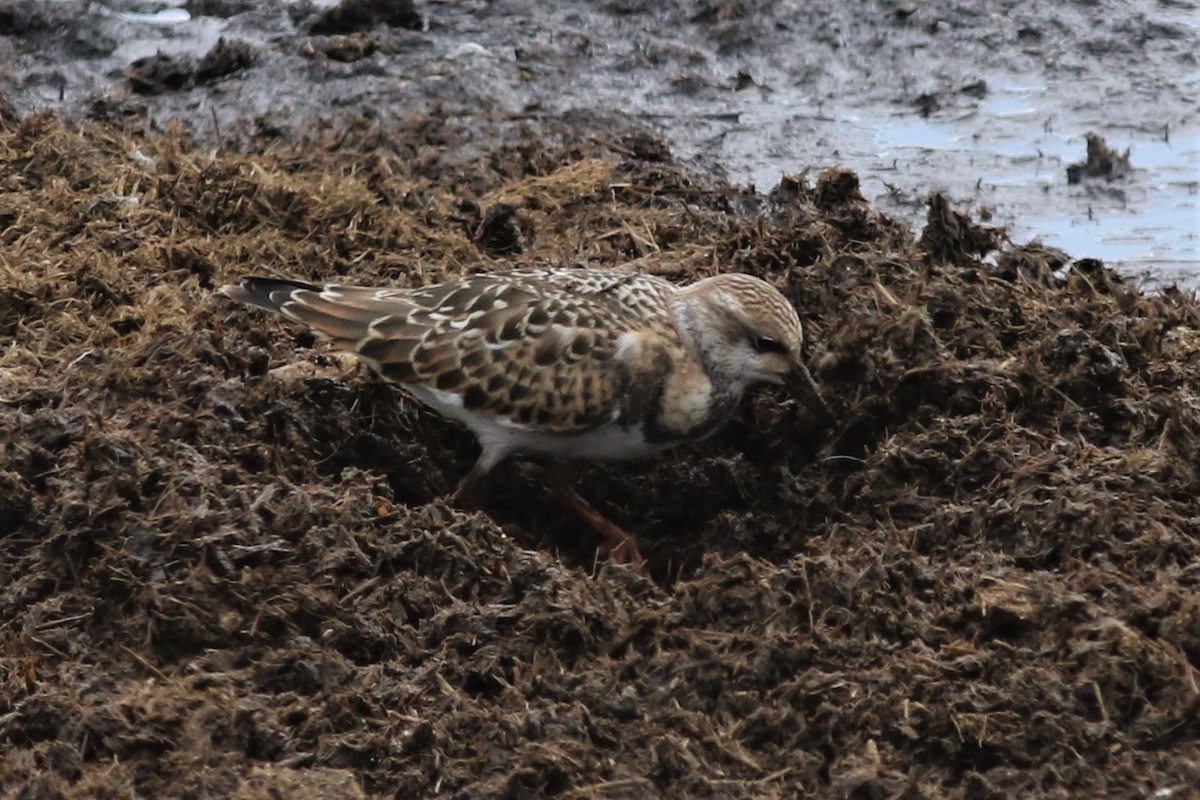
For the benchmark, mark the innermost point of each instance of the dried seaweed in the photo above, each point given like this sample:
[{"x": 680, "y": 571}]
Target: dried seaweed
[{"x": 229, "y": 568}]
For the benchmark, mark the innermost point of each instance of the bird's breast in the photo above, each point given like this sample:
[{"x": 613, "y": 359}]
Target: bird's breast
[{"x": 691, "y": 406}]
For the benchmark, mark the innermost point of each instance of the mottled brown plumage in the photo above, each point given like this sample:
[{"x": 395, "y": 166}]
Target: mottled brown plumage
[{"x": 566, "y": 363}]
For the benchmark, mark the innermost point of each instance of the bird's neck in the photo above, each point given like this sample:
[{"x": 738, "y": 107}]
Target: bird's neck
[
  {"x": 699, "y": 326},
  {"x": 698, "y": 395}
]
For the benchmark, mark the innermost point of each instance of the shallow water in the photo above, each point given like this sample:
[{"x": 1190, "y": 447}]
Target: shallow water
[
  {"x": 1008, "y": 157},
  {"x": 1145, "y": 225}
]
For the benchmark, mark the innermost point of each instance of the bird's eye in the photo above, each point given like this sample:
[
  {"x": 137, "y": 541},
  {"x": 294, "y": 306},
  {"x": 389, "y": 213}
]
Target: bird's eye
[{"x": 765, "y": 344}]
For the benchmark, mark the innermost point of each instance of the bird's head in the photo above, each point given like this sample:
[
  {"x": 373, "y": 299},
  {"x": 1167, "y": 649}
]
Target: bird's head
[{"x": 747, "y": 333}]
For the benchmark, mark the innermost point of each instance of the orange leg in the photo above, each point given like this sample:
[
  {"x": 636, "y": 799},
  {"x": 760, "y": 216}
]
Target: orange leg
[
  {"x": 466, "y": 494},
  {"x": 618, "y": 545}
]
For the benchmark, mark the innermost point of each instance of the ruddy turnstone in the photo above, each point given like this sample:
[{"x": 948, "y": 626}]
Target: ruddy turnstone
[{"x": 564, "y": 363}]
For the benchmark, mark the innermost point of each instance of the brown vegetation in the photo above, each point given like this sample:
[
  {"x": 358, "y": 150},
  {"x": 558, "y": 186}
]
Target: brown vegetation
[{"x": 228, "y": 569}]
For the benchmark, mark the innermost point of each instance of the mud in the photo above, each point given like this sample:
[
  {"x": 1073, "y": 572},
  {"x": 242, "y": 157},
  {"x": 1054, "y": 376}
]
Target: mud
[
  {"x": 228, "y": 566},
  {"x": 987, "y": 103}
]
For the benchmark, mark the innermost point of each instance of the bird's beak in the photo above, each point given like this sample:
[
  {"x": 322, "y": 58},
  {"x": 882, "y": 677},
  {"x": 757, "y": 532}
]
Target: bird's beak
[{"x": 802, "y": 385}]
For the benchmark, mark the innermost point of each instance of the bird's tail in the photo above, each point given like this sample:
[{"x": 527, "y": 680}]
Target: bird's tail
[
  {"x": 345, "y": 314},
  {"x": 269, "y": 293}
]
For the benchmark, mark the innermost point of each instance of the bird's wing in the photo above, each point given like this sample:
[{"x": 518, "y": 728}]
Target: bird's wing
[{"x": 560, "y": 351}]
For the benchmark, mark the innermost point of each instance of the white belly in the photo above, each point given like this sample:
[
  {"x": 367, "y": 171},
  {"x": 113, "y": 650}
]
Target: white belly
[{"x": 607, "y": 442}]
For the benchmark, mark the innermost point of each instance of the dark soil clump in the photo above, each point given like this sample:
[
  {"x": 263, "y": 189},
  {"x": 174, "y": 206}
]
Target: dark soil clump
[
  {"x": 169, "y": 73},
  {"x": 229, "y": 568},
  {"x": 352, "y": 16},
  {"x": 1102, "y": 162}
]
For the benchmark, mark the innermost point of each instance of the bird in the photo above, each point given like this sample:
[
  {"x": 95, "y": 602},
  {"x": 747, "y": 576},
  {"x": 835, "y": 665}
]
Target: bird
[{"x": 569, "y": 364}]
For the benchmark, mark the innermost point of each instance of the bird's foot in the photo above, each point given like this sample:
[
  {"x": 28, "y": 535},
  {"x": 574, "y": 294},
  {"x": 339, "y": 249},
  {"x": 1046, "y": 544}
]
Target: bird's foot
[
  {"x": 465, "y": 498},
  {"x": 617, "y": 544},
  {"x": 466, "y": 495}
]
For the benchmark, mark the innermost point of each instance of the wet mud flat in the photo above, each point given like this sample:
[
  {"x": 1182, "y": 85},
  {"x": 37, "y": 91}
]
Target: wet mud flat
[
  {"x": 985, "y": 102},
  {"x": 228, "y": 567}
]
